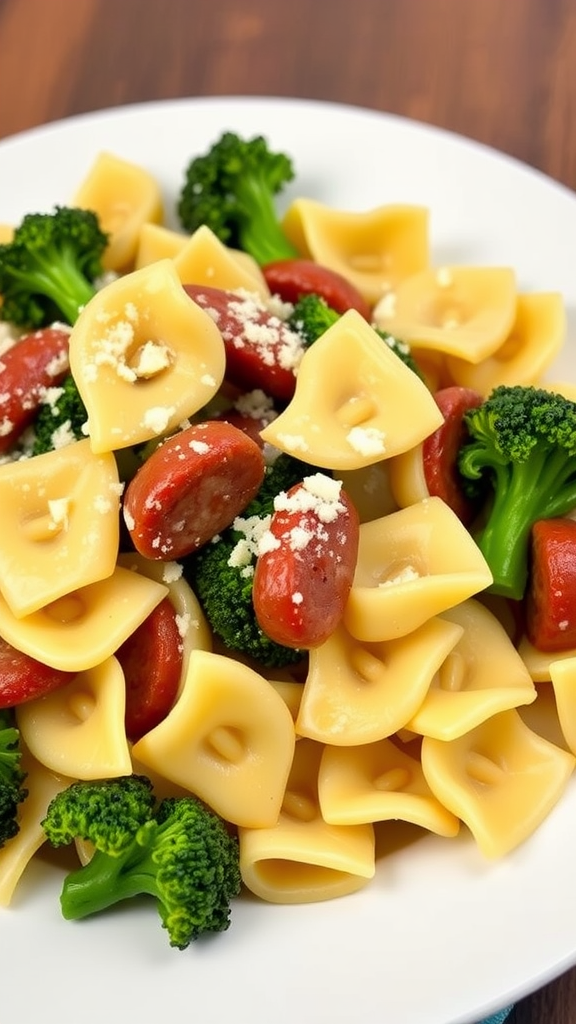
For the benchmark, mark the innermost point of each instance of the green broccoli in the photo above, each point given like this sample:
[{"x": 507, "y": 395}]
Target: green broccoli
[
  {"x": 232, "y": 189},
  {"x": 48, "y": 269},
  {"x": 221, "y": 573},
  {"x": 60, "y": 420},
  {"x": 180, "y": 852},
  {"x": 522, "y": 450},
  {"x": 12, "y": 776},
  {"x": 312, "y": 315}
]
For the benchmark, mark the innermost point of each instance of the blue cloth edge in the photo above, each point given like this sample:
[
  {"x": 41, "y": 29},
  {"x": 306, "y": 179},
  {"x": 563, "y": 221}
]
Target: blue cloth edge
[{"x": 498, "y": 1018}]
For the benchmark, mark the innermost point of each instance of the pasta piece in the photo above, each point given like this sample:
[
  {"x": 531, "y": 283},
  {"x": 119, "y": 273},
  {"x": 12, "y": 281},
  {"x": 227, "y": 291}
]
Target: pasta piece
[
  {"x": 156, "y": 242},
  {"x": 42, "y": 785},
  {"x": 144, "y": 357},
  {"x": 370, "y": 490},
  {"x": 412, "y": 564},
  {"x": 407, "y": 477},
  {"x": 370, "y": 405},
  {"x": 83, "y": 628},
  {"x": 6, "y": 233},
  {"x": 78, "y": 730},
  {"x": 125, "y": 196},
  {"x": 291, "y": 693},
  {"x": 205, "y": 260},
  {"x": 58, "y": 524},
  {"x": 501, "y": 779},
  {"x": 536, "y": 337},
  {"x": 374, "y": 249},
  {"x": 461, "y": 311},
  {"x": 229, "y": 738},
  {"x": 469, "y": 687},
  {"x": 542, "y": 717},
  {"x": 190, "y": 619},
  {"x": 359, "y": 693},
  {"x": 563, "y": 676},
  {"x": 302, "y": 859},
  {"x": 379, "y": 782},
  {"x": 538, "y": 662}
]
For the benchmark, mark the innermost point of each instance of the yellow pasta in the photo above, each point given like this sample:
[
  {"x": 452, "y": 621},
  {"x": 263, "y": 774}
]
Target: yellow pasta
[
  {"x": 205, "y": 260},
  {"x": 501, "y": 779},
  {"x": 461, "y": 311},
  {"x": 58, "y": 525},
  {"x": 42, "y": 785},
  {"x": 538, "y": 662},
  {"x": 359, "y": 693},
  {"x": 78, "y": 730},
  {"x": 124, "y": 196},
  {"x": 563, "y": 676},
  {"x": 468, "y": 687},
  {"x": 144, "y": 357},
  {"x": 374, "y": 249},
  {"x": 156, "y": 242},
  {"x": 303, "y": 859},
  {"x": 412, "y": 564},
  {"x": 229, "y": 738},
  {"x": 370, "y": 490},
  {"x": 83, "y": 628},
  {"x": 534, "y": 341},
  {"x": 379, "y": 782},
  {"x": 364, "y": 410}
]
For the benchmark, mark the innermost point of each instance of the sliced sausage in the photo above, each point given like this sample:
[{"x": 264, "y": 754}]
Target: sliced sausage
[
  {"x": 261, "y": 349},
  {"x": 23, "y": 678},
  {"x": 551, "y": 596},
  {"x": 151, "y": 659},
  {"x": 304, "y": 573},
  {"x": 440, "y": 451},
  {"x": 34, "y": 363},
  {"x": 293, "y": 278},
  {"x": 190, "y": 488}
]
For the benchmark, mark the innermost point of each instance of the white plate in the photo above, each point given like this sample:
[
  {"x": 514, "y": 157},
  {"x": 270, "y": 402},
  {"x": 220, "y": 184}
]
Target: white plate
[{"x": 440, "y": 936}]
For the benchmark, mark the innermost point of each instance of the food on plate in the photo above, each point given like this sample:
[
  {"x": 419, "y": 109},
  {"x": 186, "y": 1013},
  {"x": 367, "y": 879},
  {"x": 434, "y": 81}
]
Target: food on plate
[
  {"x": 249, "y": 597},
  {"x": 521, "y": 445}
]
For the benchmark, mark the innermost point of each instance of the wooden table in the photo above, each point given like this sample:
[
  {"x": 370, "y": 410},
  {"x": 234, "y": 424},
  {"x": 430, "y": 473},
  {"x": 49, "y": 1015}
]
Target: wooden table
[{"x": 502, "y": 73}]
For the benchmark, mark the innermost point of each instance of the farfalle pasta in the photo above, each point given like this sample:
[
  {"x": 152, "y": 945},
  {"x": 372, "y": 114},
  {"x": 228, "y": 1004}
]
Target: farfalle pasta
[{"x": 417, "y": 706}]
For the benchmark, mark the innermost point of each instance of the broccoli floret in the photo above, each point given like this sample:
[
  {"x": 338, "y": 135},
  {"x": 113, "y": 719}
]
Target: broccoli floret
[
  {"x": 232, "y": 189},
  {"x": 521, "y": 448},
  {"x": 224, "y": 590},
  {"x": 312, "y": 315},
  {"x": 60, "y": 421},
  {"x": 12, "y": 776},
  {"x": 48, "y": 269},
  {"x": 179, "y": 852}
]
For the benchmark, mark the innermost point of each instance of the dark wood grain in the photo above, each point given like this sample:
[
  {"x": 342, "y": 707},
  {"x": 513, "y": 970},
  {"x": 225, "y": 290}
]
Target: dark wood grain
[{"x": 500, "y": 71}]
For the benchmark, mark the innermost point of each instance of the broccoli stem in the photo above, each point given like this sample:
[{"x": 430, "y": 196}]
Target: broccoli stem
[
  {"x": 109, "y": 879},
  {"x": 261, "y": 233},
  {"x": 59, "y": 278},
  {"x": 523, "y": 493}
]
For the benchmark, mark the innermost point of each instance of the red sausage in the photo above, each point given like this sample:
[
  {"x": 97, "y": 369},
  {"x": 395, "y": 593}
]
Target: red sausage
[
  {"x": 190, "y": 488},
  {"x": 303, "y": 578},
  {"x": 35, "y": 362},
  {"x": 440, "y": 450},
  {"x": 22, "y": 678},
  {"x": 151, "y": 659},
  {"x": 261, "y": 350},
  {"x": 291, "y": 279},
  {"x": 551, "y": 595}
]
